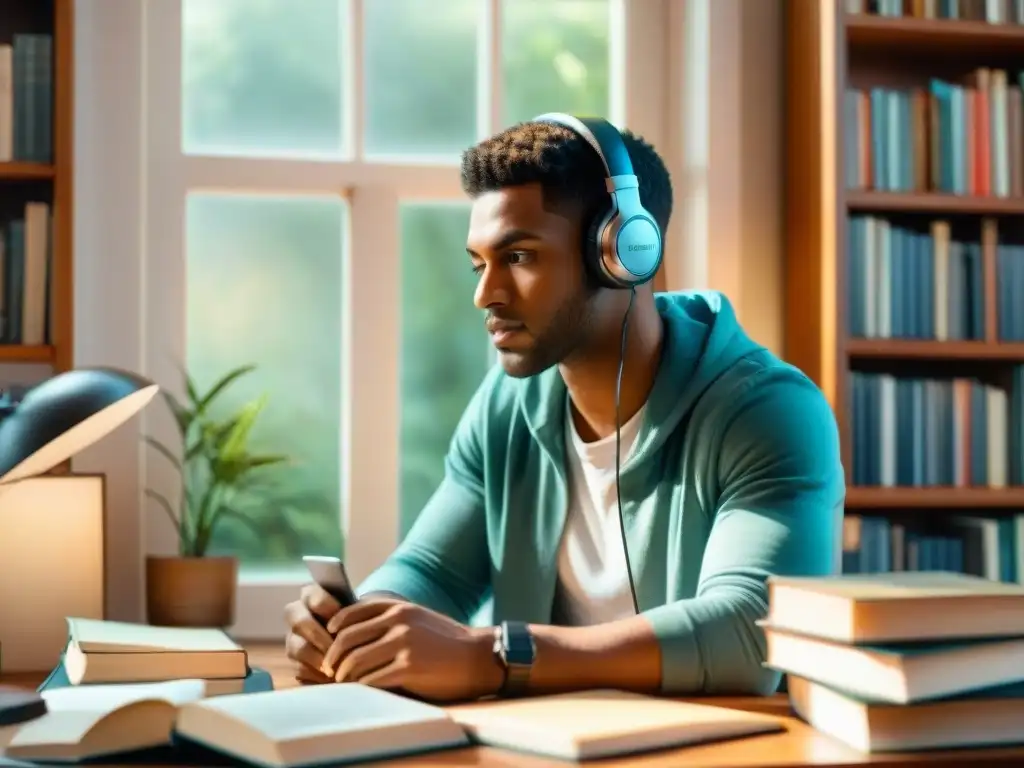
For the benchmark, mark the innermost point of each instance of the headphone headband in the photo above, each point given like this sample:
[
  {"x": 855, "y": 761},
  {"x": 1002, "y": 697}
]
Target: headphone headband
[
  {"x": 624, "y": 245},
  {"x": 601, "y": 135}
]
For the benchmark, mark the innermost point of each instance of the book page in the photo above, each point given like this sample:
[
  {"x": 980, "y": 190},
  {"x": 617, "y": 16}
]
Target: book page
[
  {"x": 298, "y": 713},
  {"x": 901, "y": 585},
  {"x": 92, "y": 635},
  {"x": 107, "y": 698},
  {"x": 598, "y": 713},
  {"x": 603, "y": 723}
]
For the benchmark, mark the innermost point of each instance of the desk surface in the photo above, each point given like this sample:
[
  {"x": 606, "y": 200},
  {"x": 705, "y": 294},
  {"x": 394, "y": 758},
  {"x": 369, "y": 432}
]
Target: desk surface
[{"x": 798, "y": 746}]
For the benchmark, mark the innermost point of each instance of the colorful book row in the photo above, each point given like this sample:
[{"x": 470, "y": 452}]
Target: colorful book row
[
  {"x": 954, "y": 138},
  {"x": 931, "y": 432},
  {"x": 990, "y": 11},
  {"x": 990, "y": 547}
]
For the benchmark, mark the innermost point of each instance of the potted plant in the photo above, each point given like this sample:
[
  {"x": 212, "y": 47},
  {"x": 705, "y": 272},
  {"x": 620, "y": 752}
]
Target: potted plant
[{"x": 217, "y": 469}]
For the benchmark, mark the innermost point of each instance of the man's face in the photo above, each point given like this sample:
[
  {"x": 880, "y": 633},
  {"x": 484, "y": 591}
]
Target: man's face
[{"x": 531, "y": 280}]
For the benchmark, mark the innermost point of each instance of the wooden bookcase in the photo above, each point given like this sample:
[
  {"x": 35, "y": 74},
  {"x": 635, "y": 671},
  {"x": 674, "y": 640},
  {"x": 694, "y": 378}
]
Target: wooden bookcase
[
  {"x": 827, "y": 51},
  {"x": 48, "y": 178}
]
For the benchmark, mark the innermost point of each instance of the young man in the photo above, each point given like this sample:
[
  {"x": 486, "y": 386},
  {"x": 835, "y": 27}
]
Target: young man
[{"x": 730, "y": 472}]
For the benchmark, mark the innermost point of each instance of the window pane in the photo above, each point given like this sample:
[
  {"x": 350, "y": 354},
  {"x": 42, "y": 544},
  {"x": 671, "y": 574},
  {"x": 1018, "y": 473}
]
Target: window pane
[
  {"x": 421, "y": 67},
  {"x": 264, "y": 288},
  {"x": 263, "y": 77},
  {"x": 444, "y": 345},
  {"x": 554, "y": 58}
]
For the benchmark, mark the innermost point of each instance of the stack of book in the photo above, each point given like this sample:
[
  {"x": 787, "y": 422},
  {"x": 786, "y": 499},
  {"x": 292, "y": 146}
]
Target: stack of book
[
  {"x": 106, "y": 652},
  {"x": 902, "y": 661}
]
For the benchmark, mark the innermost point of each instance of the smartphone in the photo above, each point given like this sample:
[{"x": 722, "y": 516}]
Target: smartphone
[{"x": 329, "y": 573}]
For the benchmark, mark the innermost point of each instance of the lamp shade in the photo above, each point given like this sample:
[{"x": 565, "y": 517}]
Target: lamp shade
[{"x": 65, "y": 414}]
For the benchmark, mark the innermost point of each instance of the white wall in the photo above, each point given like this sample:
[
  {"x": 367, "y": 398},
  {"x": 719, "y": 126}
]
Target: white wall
[
  {"x": 725, "y": 60},
  {"x": 108, "y": 263},
  {"x": 728, "y": 80},
  {"x": 762, "y": 111}
]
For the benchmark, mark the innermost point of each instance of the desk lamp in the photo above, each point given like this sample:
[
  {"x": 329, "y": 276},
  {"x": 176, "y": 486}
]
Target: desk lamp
[
  {"x": 59, "y": 417},
  {"x": 50, "y": 423}
]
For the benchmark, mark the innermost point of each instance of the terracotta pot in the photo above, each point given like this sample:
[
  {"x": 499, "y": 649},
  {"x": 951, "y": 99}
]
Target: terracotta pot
[{"x": 191, "y": 591}]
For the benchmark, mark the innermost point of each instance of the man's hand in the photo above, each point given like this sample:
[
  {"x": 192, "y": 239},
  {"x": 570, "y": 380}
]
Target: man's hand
[
  {"x": 307, "y": 640},
  {"x": 402, "y": 646}
]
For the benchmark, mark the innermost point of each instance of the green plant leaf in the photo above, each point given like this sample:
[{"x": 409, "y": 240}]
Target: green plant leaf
[
  {"x": 228, "y": 513},
  {"x": 180, "y": 523},
  {"x": 216, "y": 464},
  {"x": 219, "y": 504},
  {"x": 194, "y": 450},
  {"x": 201, "y": 523},
  {"x": 216, "y": 434},
  {"x": 232, "y": 470},
  {"x": 190, "y": 389},
  {"x": 204, "y": 402},
  {"x": 164, "y": 451},
  {"x": 268, "y": 460},
  {"x": 234, "y": 442},
  {"x": 182, "y": 416}
]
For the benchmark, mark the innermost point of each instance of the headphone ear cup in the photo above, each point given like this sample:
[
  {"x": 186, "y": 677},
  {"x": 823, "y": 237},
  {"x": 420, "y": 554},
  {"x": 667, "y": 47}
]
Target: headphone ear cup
[
  {"x": 640, "y": 261},
  {"x": 593, "y": 256}
]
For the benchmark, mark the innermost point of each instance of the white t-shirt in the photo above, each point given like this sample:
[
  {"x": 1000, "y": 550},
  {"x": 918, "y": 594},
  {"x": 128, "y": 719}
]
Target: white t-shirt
[{"x": 593, "y": 584}]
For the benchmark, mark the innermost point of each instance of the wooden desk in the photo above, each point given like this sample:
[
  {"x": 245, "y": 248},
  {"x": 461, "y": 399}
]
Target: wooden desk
[{"x": 798, "y": 747}]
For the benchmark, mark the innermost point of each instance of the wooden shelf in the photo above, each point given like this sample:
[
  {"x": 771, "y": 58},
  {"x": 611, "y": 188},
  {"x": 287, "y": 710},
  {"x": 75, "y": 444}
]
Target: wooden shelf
[
  {"x": 50, "y": 182},
  {"x": 939, "y": 497},
  {"x": 910, "y": 36},
  {"x": 933, "y": 202},
  {"x": 922, "y": 349},
  {"x": 828, "y": 51},
  {"x": 17, "y": 171},
  {"x": 18, "y": 353}
]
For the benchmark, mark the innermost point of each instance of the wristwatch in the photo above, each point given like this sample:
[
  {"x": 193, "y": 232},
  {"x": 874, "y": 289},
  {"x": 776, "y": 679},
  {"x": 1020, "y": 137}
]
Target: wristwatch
[{"x": 514, "y": 647}]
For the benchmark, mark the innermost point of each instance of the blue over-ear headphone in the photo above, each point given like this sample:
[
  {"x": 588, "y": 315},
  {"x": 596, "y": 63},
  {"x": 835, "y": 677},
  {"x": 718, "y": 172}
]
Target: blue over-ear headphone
[{"x": 623, "y": 247}]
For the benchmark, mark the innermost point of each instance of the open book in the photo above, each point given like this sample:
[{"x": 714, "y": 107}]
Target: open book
[
  {"x": 587, "y": 725},
  {"x": 333, "y": 723},
  {"x": 100, "y": 720},
  {"x": 122, "y": 652},
  {"x": 348, "y": 722},
  {"x": 293, "y": 727}
]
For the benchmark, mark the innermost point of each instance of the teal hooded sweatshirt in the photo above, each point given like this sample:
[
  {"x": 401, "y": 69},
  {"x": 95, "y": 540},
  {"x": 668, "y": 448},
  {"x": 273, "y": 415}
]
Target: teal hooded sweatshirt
[{"x": 735, "y": 476}]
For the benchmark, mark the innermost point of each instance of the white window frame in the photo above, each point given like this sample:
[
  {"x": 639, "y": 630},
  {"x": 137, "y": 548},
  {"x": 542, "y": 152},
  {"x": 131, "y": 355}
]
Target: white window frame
[{"x": 640, "y": 63}]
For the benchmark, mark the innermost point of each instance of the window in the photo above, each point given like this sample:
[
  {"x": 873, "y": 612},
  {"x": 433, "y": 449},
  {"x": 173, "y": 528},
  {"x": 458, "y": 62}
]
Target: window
[
  {"x": 420, "y": 78},
  {"x": 265, "y": 288},
  {"x": 263, "y": 77},
  {"x": 304, "y": 215},
  {"x": 445, "y": 350},
  {"x": 555, "y": 58}
]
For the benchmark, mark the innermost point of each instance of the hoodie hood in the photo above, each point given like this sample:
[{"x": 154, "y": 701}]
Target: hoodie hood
[{"x": 702, "y": 341}]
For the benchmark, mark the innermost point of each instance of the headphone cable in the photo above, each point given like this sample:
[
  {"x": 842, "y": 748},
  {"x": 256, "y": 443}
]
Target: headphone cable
[{"x": 618, "y": 446}]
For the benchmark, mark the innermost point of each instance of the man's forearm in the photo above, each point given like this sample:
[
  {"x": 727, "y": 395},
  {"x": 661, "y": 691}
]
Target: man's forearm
[{"x": 622, "y": 654}]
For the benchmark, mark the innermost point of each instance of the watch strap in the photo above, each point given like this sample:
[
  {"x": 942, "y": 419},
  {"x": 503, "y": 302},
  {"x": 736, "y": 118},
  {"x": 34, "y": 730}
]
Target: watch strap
[{"x": 517, "y": 652}]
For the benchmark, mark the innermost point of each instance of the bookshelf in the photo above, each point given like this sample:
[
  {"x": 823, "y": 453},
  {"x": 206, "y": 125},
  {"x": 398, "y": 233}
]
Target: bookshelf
[
  {"x": 905, "y": 258},
  {"x": 933, "y": 351},
  {"x": 923, "y": 202},
  {"x": 36, "y": 144}
]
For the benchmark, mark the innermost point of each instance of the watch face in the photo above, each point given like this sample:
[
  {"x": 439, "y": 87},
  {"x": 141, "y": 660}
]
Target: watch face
[{"x": 518, "y": 644}]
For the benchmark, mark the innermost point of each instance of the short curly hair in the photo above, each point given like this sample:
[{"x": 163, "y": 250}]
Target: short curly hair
[{"x": 566, "y": 166}]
